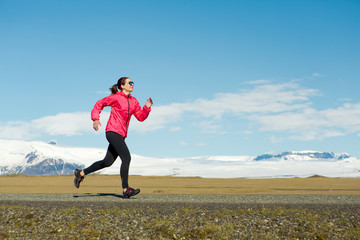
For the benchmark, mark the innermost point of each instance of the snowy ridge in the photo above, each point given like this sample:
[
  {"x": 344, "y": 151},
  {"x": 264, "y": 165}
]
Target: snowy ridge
[
  {"x": 302, "y": 156},
  {"x": 40, "y": 158}
]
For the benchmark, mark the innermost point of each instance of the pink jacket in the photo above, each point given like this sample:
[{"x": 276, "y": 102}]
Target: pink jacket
[{"x": 122, "y": 108}]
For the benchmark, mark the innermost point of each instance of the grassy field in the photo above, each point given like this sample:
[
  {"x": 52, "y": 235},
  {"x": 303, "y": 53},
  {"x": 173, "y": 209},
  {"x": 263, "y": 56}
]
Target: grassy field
[{"x": 180, "y": 185}]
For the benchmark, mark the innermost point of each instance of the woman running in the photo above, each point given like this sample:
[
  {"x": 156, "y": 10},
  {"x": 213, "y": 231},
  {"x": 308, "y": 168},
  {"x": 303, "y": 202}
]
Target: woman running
[{"x": 123, "y": 106}]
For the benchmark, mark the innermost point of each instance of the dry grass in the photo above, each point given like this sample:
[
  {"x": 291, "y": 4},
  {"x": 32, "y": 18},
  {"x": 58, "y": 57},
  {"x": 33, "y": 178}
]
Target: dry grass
[{"x": 180, "y": 185}]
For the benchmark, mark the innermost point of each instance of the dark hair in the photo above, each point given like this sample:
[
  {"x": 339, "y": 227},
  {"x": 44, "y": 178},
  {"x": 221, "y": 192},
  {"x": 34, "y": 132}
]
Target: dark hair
[{"x": 115, "y": 87}]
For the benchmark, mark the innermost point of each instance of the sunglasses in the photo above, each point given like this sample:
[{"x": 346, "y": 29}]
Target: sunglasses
[{"x": 131, "y": 83}]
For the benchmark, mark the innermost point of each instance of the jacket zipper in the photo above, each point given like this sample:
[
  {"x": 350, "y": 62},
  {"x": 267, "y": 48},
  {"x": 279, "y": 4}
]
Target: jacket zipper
[{"x": 127, "y": 120}]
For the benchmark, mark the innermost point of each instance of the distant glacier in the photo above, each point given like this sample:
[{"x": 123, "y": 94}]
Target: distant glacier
[{"x": 41, "y": 158}]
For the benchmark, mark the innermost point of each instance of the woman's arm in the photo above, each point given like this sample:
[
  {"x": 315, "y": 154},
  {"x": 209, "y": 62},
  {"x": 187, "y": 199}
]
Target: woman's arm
[
  {"x": 99, "y": 106},
  {"x": 142, "y": 113}
]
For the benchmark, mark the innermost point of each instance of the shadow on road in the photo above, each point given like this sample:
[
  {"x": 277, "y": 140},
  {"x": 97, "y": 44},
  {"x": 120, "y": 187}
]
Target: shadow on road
[{"x": 99, "y": 195}]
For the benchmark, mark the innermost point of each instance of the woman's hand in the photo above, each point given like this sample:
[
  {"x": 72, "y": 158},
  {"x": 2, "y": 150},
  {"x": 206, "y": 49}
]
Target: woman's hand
[
  {"x": 96, "y": 125},
  {"x": 149, "y": 103}
]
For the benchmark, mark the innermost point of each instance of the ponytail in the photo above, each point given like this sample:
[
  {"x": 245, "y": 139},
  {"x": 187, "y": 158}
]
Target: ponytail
[{"x": 113, "y": 89}]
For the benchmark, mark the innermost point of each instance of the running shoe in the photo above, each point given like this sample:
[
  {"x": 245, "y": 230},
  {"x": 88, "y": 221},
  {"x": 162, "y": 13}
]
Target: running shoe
[
  {"x": 78, "y": 178},
  {"x": 130, "y": 192}
]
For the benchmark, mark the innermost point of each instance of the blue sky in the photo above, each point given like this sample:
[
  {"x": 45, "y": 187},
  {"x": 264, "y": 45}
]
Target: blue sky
[{"x": 226, "y": 77}]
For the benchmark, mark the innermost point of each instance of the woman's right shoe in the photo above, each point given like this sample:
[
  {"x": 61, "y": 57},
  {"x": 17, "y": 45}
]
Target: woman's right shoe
[
  {"x": 78, "y": 178},
  {"x": 130, "y": 192}
]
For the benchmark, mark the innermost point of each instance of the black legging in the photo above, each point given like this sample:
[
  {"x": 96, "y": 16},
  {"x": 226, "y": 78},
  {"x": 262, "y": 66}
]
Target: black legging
[{"x": 117, "y": 147}]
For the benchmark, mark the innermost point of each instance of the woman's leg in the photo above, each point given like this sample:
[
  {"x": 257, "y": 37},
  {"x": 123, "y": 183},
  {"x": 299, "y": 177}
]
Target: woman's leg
[
  {"x": 118, "y": 143},
  {"x": 109, "y": 159}
]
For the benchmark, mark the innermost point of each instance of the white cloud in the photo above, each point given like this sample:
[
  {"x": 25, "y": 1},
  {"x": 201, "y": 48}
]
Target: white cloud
[
  {"x": 103, "y": 92},
  {"x": 274, "y": 139},
  {"x": 16, "y": 130},
  {"x": 201, "y": 144},
  {"x": 260, "y": 81},
  {"x": 344, "y": 99},
  {"x": 209, "y": 127},
  {"x": 289, "y": 121},
  {"x": 346, "y": 117},
  {"x": 310, "y": 124},
  {"x": 160, "y": 117},
  {"x": 259, "y": 101},
  {"x": 246, "y": 132},
  {"x": 175, "y": 129},
  {"x": 64, "y": 124},
  {"x": 67, "y": 124},
  {"x": 316, "y": 75},
  {"x": 284, "y": 108},
  {"x": 262, "y": 99}
]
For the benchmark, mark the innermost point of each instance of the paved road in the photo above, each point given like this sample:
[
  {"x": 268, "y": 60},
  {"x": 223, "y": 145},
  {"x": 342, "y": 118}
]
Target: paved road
[{"x": 153, "y": 200}]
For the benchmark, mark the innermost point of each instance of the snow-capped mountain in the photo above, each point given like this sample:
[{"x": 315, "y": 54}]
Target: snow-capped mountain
[
  {"x": 40, "y": 158},
  {"x": 302, "y": 155}
]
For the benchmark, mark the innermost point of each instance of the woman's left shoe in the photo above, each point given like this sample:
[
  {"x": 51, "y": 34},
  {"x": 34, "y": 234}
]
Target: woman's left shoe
[
  {"x": 130, "y": 192},
  {"x": 78, "y": 178}
]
